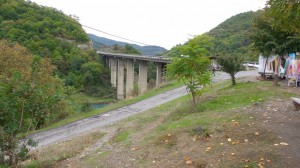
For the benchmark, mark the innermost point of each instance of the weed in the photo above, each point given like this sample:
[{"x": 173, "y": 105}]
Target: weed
[
  {"x": 250, "y": 165},
  {"x": 122, "y": 136}
]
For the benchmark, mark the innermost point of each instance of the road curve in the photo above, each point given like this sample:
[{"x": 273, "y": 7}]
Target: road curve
[{"x": 85, "y": 125}]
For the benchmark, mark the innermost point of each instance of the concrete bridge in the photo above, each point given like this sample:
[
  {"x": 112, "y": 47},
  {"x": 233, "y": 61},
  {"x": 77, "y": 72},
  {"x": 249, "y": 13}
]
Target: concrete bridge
[{"x": 121, "y": 63}]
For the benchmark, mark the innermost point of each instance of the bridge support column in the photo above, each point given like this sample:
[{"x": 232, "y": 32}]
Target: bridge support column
[
  {"x": 129, "y": 78},
  {"x": 159, "y": 70},
  {"x": 113, "y": 71},
  {"x": 120, "y": 87},
  {"x": 143, "y": 69}
]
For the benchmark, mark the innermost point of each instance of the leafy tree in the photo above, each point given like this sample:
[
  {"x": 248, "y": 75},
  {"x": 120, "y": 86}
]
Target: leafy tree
[
  {"x": 92, "y": 71},
  {"x": 192, "y": 66},
  {"x": 30, "y": 95},
  {"x": 231, "y": 64},
  {"x": 174, "y": 52},
  {"x": 269, "y": 41},
  {"x": 285, "y": 15},
  {"x": 128, "y": 49}
]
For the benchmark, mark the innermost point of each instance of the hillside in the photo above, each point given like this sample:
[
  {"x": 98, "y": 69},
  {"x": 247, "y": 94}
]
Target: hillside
[
  {"x": 231, "y": 36},
  {"x": 48, "y": 33},
  {"x": 100, "y": 42}
]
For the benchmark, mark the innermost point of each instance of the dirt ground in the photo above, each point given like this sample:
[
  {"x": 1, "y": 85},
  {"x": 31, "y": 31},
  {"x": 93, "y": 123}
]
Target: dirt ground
[{"x": 269, "y": 139}]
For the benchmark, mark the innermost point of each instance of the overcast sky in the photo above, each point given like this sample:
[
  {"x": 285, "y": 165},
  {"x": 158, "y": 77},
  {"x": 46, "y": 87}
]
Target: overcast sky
[{"x": 155, "y": 22}]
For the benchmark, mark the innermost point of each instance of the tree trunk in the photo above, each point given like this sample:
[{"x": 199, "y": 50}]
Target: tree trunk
[
  {"x": 2, "y": 156},
  {"x": 232, "y": 79},
  {"x": 276, "y": 79},
  {"x": 194, "y": 100},
  {"x": 11, "y": 150},
  {"x": 264, "y": 74}
]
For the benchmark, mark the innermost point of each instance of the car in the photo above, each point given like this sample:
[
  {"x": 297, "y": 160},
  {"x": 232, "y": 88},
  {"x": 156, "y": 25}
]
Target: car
[{"x": 253, "y": 64}]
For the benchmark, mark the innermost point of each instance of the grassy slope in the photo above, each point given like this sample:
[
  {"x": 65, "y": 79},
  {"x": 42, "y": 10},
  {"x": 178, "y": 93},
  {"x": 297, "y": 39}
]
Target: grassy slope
[{"x": 164, "y": 136}]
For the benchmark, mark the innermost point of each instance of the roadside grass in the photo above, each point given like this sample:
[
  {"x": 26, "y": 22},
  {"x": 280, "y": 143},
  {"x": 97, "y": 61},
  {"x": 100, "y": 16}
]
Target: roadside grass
[
  {"x": 53, "y": 154},
  {"x": 120, "y": 103},
  {"x": 228, "y": 136},
  {"x": 215, "y": 103},
  {"x": 121, "y": 136}
]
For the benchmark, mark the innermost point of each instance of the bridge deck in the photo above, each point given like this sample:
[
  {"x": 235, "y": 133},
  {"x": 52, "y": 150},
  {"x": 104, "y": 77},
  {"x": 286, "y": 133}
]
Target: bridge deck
[{"x": 137, "y": 57}]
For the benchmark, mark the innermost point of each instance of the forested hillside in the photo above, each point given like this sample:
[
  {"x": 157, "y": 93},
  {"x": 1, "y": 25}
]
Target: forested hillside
[
  {"x": 101, "y": 43},
  {"x": 233, "y": 36},
  {"x": 48, "y": 33}
]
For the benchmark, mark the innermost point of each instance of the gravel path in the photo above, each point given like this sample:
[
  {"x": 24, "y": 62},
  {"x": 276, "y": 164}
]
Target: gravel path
[{"x": 86, "y": 125}]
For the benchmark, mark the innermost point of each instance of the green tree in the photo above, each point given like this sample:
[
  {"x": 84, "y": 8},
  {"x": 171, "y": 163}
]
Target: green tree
[
  {"x": 192, "y": 66},
  {"x": 285, "y": 15},
  {"x": 270, "y": 41},
  {"x": 128, "y": 49},
  {"x": 30, "y": 95},
  {"x": 231, "y": 64}
]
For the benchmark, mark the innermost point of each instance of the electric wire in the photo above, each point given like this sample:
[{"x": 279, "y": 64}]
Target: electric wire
[{"x": 75, "y": 20}]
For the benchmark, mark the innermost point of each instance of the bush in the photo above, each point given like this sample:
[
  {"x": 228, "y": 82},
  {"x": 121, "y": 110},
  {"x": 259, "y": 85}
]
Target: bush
[{"x": 30, "y": 95}]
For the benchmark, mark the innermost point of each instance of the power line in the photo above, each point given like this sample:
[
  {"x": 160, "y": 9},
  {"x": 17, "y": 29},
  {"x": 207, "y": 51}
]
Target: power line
[
  {"x": 77, "y": 22},
  {"x": 114, "y": 35}
]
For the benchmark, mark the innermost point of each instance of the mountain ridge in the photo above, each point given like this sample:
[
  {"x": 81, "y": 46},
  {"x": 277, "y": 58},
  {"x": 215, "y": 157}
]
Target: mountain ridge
[{"x": 101, "y": 42}]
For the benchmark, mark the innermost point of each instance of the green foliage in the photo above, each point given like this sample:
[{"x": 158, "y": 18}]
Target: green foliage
[
  {"x": 48, "y": 33},
  {"x": 231, "y": 64},
  {"x": 285, "y": 15},
  {"x": 232, "y": 36},
  {"x": 95, "y": 78},
  {"x": 122, "y": 136},
  {"x": 268, "y": 40},
  {"x": 192, "y": 66},
  {"x": 174, "y": 52},
  {"x": 126, "y": 49},
  {"x": 130, "y": 50},
  {"x": 31, "y": 97}
]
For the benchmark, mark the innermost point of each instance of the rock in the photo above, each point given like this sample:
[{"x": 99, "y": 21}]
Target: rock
[
  {"x": 106, "y": 115},
  {"x": 189, "y": 162},
  {"x": 198, "y": 130},
  {"x": 284, "y": 143}
]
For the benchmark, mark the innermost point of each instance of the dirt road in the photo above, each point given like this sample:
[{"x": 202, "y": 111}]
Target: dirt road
[{"x": 88, "y": 124}]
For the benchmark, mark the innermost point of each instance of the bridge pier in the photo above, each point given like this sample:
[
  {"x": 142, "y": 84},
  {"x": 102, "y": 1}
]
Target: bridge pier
[
  {"x": 143, "y": 71},
  {"x": 113, "y": 71},
  {"x": 117, "y": 63},
  {"x": 120, "y": 81},
  {"x": 129, "y": 78},
  {"x": 159, "y": 70}
]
